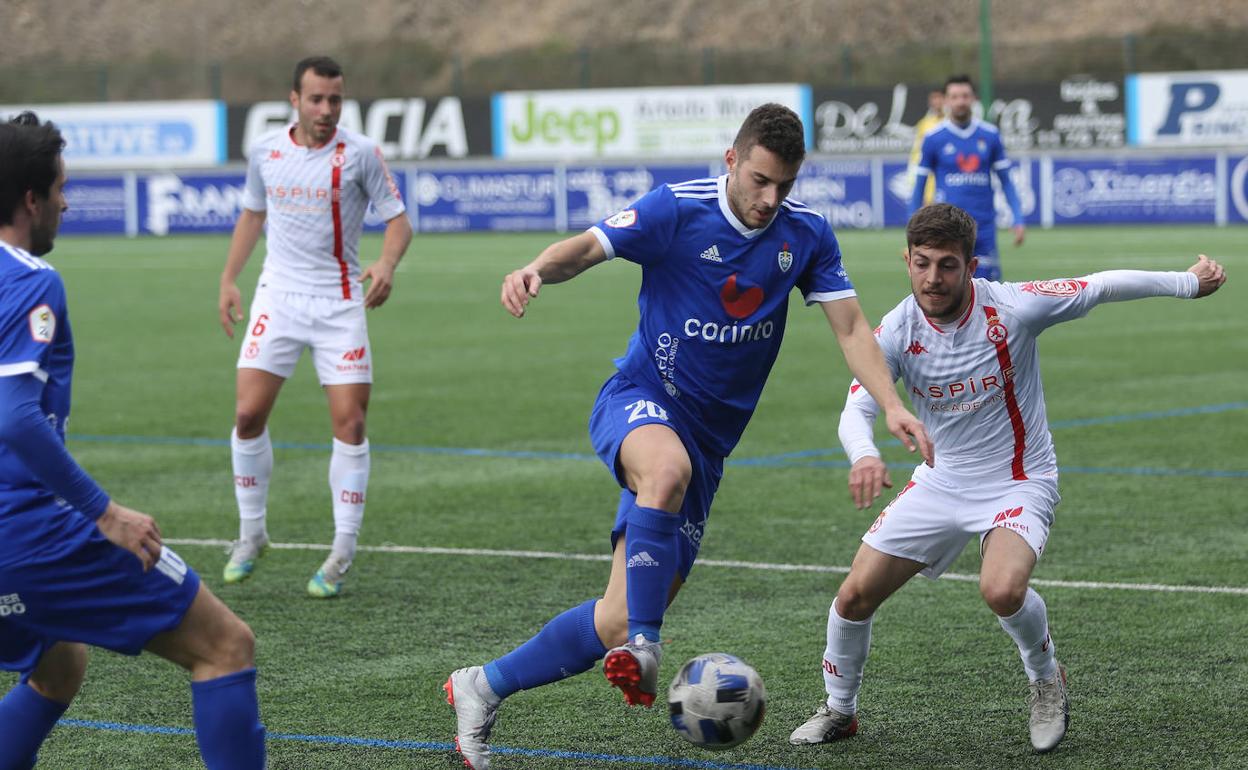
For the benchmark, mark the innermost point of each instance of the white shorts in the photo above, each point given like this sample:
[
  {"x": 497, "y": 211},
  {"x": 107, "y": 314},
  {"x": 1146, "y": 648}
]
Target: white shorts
[
  {"x": 282, "y": 324},
  {"x": 931, "y": 519}
]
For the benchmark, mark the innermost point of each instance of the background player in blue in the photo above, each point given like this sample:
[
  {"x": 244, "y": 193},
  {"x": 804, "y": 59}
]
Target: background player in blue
[
  {"x": 959, "y": 152},
  {"x": 77, "y": 568},
  {"x": 719, "y": 259}
]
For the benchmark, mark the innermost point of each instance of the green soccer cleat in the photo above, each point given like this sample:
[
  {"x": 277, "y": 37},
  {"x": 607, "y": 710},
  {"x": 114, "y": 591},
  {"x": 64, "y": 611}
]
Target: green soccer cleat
[
  {"x": 243, "y": 556},
  {"x": 327, "y": 582}
]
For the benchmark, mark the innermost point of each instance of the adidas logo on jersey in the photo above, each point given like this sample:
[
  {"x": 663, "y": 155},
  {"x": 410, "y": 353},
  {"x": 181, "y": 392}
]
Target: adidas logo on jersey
[
  {"x": 642, "y": 559},
  {"x": 711, "y": 254}
]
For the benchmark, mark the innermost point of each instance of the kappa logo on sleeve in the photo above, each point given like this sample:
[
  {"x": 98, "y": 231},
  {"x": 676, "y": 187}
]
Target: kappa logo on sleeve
[
  {"x": 626, "y": 218},
  {"x": 42, "y": 324},
  {"x": 1061, "y": 287}
]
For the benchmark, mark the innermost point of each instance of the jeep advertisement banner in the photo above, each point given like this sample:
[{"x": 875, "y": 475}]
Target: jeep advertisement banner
[
  {"x": 1075, "y": 113},
  {"x": 695, "y": 122},
  {"x": 405, "y": 129}
]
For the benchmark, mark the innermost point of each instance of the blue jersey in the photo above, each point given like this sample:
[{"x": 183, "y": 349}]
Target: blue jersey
[
  {"x": 714, "y": 297},
  {"x": 962, "y": 160},
  {"x": 34, "y": 340}
]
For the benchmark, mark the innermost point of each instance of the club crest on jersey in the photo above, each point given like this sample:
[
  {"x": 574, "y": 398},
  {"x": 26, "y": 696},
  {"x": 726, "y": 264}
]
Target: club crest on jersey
[
  {"x": 626, "y": 218},
  {"x": 785, "y": 258},
  {"x": 982, "y": 146},
  {"x": 1062, "y": 287},
  {"x": 949, "y": 148},
  {"x": 997, "y": 333},
  {"x": 42, "y": 324}
]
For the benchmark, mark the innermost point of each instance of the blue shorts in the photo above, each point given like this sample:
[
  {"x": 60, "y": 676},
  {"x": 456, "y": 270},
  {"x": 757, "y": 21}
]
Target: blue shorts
[
  {"x": 622, "y": 407},
  {"x": 61, "y": 580},
  {"x": 986, "y": 252}
]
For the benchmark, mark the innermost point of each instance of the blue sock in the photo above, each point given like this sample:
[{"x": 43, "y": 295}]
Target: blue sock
[
  {"x": 227, "y": 722},
  {"x": 566, "y": 646},
  {"x": 26, "y": 718},
  {"x": 651, "y": 545}
]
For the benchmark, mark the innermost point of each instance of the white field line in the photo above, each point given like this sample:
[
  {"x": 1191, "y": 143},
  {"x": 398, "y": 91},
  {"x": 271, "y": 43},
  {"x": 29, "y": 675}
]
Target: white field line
[{"x": 755, "y": 565}]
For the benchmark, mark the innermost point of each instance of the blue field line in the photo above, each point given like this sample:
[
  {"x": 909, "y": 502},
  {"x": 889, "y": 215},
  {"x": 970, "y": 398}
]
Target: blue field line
[{"x": 378, "y": 743}]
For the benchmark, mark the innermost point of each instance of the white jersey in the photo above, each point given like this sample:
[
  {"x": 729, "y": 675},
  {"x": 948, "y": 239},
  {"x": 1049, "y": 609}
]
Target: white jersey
[
  {"x": 975, "y": 383},
  {"x": 315, "y": 199}
]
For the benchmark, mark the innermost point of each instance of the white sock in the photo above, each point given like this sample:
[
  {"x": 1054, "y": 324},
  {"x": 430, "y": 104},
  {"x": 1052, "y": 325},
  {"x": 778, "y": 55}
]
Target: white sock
[
  {"x": 1029, "y": 628},
  {"x": 844, "y": 659},
  {"x": 253, "y": 466},
  {"x": 348, "y": 481}
]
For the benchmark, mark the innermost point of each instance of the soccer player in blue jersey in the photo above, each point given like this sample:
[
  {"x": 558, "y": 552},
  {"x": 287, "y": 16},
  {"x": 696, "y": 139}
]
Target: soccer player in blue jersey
[
  {"x": 959, "y": 152},
  {"x": 719, "y": 258},
  {"x": 76, "y": 567}
]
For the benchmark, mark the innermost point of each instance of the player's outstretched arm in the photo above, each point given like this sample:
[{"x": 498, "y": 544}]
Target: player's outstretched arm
[
  {"x": 230, "y": 301},
  {"x": 865, "y": 360},
  {"x": 868, "y": 475},
  {"x": 1210, "y": 274},
  {"x": 380, "y": 274},
  {"x": 558, "y": 262}
]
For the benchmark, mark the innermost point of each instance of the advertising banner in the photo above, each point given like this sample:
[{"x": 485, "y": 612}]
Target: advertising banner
[
  {"x": 596, "y": 192},
  {"x": 463, "y": 200},
  {"x": 1172, "y": 109},
  {"x": 1125, "y": 191},
  {"x": 129, "y": 135},
  {"x": 691, "y": 122},
  {"x": 840, "y": 190},
  {"x": 1237, "y": 196},
  {"x": 205, "y": 203},
  {"x": 405, "y": 129},
  {"x": 1078, "y": 112},
  {"x": 96, "y": 206}
]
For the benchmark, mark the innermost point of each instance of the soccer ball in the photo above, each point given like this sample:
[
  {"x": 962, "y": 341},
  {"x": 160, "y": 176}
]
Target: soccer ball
[{"x": 716, "y": 701}]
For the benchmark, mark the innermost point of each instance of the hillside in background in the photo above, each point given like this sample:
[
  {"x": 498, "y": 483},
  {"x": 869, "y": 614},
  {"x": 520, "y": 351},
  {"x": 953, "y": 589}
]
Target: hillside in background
[{"x": 242, "y": 50}]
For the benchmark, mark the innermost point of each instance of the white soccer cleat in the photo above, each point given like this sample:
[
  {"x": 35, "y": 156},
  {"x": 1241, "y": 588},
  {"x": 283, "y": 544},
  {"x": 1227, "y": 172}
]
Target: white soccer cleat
[
  {"x": 1050, "y": 711},
  {"x": 634, "y": 668},
  {"x": 242, "y": 561},
  {"x": 327, "y": 582},
  {"x": 476, "y": 707},
  {"x": 825, "y": 726}
]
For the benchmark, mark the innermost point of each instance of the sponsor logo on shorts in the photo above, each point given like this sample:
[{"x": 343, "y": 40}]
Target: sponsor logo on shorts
[
  {"x": 354, "y": 355},
  {"x": 693, "y": 532},
  {"x": 11, "y": 604},
  {"x": 642, "y": 559},
  {"x": 1006, "y": 519},
  {"x": 171, "y": 565},
  {"x": 354, "y": 359}
]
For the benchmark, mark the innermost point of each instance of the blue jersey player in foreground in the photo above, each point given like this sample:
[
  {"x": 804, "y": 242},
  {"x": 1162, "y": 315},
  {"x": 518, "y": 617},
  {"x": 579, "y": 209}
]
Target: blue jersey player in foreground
[
  {"x": 719, "y": 258},
  {"x": 959, "y": 152},
  {"x": 76, "y": 567}
]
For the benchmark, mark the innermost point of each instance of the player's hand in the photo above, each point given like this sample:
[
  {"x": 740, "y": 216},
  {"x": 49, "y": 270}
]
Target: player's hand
[
  {"x": 381, "y": 274},
  {"x": 1020, "y": 233},
  {"x": 1211, "y": 275},
  {"x": 911, "y": 433},
  {"x": 867, "y": 478},
  {"x": 518, "y": 288},
  {"x": 230, "y": 307},
  {"x": 136, "y": 532}
]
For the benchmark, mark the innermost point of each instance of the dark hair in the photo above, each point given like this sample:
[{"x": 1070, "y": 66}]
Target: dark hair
[
  {"x": 942, "y": 225},
  {"x": 776, "y": 128},
  {"x": 321, "y": 65},
  {"x": 958, "y": 79},
  {"x": 29, "y": 161}
]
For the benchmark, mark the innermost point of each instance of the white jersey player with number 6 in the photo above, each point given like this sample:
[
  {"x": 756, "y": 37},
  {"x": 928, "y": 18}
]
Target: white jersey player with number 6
[
  {"x": 313, "y": 183},
  {"x": 965, "y": 350}
]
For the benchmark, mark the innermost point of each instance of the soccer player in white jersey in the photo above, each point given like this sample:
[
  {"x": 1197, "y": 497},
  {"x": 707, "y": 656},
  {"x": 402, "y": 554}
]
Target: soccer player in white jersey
[
  {"x": 312, "y": 181},
  {"x": 965, "y": 349}
]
